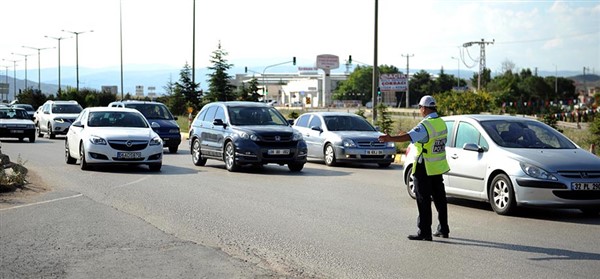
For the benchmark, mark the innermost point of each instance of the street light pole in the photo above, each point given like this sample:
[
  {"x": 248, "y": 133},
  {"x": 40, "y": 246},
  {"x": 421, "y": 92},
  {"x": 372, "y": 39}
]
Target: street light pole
[
  {"x": 58, "y": 39},
  {"x": 263, "y": 77},
  {"x": 457, "y": 63},
  {"x": 77, "y": 52},
  {"x": 39, "y": 65},
  {"x": 6, "y": 82},
  {"x": 14, "y": 77},
  {"x": 375, "y": 82},
  {"x": 24, "y": 55}
]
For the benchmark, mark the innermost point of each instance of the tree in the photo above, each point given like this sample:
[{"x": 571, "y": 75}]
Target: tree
[
  {"x": 32, "y": 97},
  {"x": 486, "y": 77},
  {"x": 186, "y": 89},
  {"x": 218, "y": 85},
  {"x": 249, "y": 93},
  {"x": 444, "y": 82},
  {"x": 359, "y": 85},
  {"x": 384, "y": 121}
]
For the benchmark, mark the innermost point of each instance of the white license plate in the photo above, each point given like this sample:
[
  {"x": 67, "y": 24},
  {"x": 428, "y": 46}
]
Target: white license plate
[
  {"x": 374, "y": 152},
  {"x": 17, "y": 131},
  {"x": 585, "y": 186},
  {"x": 279, "y": 151},
  {"x": 129, "y": 155}
]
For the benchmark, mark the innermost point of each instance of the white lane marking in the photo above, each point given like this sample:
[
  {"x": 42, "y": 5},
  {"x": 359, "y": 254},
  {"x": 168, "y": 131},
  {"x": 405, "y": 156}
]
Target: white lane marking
[
  {"x": 132, "y": 182},
  {"x": 42, "y": 202}
]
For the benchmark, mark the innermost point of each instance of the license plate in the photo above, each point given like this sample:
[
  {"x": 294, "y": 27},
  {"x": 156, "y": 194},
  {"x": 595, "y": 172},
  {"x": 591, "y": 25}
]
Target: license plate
[
  {"x": 129, "y": 155},
  {"x": 374, "y": 152},
  {"x": 17, "y": 131},
  {"x": 577, "y": 186},
  {"x": 279, "y": 151}
]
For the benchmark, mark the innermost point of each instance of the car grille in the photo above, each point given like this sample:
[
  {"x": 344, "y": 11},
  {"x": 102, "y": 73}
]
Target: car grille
[
  {"x": 577, "y": 195},
  {"x": 580, "y": 174},
  {"x": 370, "y": 144},
  {"x": 128, "y": 145},
  {"x": 275, "y": 144},
  {"x": 276, "y": 138}
]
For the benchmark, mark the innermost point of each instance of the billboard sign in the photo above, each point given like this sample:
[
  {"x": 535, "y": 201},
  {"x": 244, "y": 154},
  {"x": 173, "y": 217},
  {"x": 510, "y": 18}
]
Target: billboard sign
[
  {"x": 328, "y": 61},
  {"x": 393, "y": 82}
]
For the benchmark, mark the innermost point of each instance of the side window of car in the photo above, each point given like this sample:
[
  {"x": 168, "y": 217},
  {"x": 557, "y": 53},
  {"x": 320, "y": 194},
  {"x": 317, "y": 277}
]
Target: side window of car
[
  {"x": 220, "y": 114},
  {"x": 210, "y": 114},
  {"x": 315, "y": 122},
  {"x": 303, "y": 120},
  {"x": 450, "y": 129},
  {"x": 466, "y": 133}
]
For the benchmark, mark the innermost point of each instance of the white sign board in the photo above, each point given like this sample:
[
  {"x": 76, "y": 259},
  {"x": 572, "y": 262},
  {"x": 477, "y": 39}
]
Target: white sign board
[
  {"x": 392, "y": 82},
  {"x": 328, "y": 61}
]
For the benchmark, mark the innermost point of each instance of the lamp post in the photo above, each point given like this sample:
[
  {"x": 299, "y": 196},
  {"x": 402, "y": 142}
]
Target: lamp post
[
  {"x": 263, "y": 76},
  {"x": 457, "y": 63},
  {"x": 6, "y": 82},
  {"x": 77, "y": 52},
  {"x": 39, "y": 65},
  {"x": 24, "y": 55},
  {"x": 14, "y": 77},
  {"x": 58, "y": 39}
]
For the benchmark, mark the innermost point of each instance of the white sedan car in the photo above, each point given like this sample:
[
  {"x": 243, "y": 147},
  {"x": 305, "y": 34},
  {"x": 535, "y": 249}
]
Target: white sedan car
[{"x": 110, "y": 136}]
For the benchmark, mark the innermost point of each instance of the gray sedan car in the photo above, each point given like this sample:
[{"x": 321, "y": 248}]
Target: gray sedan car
[
  {"x": 515, "y": 161},
  {"x": 343, "y": 137}
]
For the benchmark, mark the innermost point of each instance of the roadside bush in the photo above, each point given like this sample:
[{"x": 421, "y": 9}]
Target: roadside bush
[{"x": 12, "y": 175}]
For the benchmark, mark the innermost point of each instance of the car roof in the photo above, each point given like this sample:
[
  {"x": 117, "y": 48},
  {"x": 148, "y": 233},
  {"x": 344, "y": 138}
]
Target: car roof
[
  {"x": 488, "y": 117},
  {"x": 333, "y": 113},
  {"x": 111, "y": 109},
  {"x": 12, "y": 108},
  {"x": 136, "y": 102},
  {"x": 241, "y": 104}
]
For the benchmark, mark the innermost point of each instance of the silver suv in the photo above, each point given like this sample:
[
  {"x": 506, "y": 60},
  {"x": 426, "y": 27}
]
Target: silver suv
[{"x": 55, "y": 117}]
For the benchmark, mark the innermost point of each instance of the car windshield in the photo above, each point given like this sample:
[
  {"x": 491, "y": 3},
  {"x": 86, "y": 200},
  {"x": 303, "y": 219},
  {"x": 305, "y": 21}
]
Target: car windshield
[
  {"x": 526, "y": 134},
  {"x": 116, "y": 119},
  {"x": 60, "y": 108},
  {"x": 347, "y": 123},
  {"x": 26, "y": 107},
  {"x": 152, "y": 111},
  {"x": 13, "y": 114},
  {"x": 256, "y": 116}
]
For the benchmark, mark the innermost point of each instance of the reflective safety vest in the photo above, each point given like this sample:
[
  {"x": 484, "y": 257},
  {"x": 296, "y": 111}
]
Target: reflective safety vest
[{"x": 434, "y": 150}]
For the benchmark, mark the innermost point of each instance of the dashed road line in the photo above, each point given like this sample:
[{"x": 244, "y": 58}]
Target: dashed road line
[{"x": 42, "y": 202}]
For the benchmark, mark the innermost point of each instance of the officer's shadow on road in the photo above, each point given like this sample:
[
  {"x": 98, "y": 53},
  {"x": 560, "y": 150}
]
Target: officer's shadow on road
[
  {"x": 546, "y": 253},
  {"x": 143, "y": 169}
]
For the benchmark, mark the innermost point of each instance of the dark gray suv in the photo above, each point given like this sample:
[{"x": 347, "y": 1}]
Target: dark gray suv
[{"x": 245, "y": 133}]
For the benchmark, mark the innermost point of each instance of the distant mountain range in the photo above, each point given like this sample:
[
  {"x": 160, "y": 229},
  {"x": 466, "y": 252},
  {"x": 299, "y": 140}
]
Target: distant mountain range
[{"x": 159, "y": 76}]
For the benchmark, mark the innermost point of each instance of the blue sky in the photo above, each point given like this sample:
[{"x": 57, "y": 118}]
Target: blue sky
[{"x": 549, "y": 35}]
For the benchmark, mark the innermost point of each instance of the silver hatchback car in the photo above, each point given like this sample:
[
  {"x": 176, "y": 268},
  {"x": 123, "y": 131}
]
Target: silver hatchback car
[
  {"x": 343, "y": 137},
  {"x": 514, "y": 161}
]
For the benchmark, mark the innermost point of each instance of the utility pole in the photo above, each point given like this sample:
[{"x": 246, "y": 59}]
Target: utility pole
[
  {"x": 481, "y": 44},
  {"x": 375, "y": 82},
  {"x": 407, "y": 78},
  {"x": 24, "y": 55},
  {"x": 39, "y": 65}
]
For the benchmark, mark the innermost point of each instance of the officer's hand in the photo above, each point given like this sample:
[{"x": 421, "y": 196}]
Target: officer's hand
[{"x": 384, "y": 138}]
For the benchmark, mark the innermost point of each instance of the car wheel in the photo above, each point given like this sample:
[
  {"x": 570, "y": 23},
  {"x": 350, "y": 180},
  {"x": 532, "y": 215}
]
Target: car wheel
[
  {"x": 50, "y": 134},
  {"x": 84, "y": 165},
  {"x": 21, "y": 139},
  {"x": 502, "y": 196},
  {"x": 295, "y": 167},
  {"x": 39, "y": 131},
  {"x": 32, "y": 139},
  {"x": 329, "y": 155},
  {"x": 384, "y": 165},
  {"x": 68, "y": 159},
  {"x": 155, "y": 166},
  {"x": 173, "y": 148},
  {"x": 197, "y": 154},
  {"x": 410, "y": 183},
  {"x": 229, "y": 157}
]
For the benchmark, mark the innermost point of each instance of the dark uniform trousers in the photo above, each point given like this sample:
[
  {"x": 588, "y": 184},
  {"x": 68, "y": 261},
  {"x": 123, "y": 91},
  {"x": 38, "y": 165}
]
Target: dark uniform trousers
[{"x": 426, "y": 188}]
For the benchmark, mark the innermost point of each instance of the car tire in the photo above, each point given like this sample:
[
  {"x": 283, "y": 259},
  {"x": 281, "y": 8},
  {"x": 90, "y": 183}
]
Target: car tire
[
  {"x": 39, "y": 130},
  {"x": 68, "y": 159},
  {"x": 329, "y": 155},
  {"x": 21, "y": 139},
  {"x": 50, "y": 134},
  {"x": 384, "y": 165},
  {"x": 84, "y": 165},
  {"x": 197, "y": 153},
  {"x": 410, "y": 183},
  {"x": 590, "y": 211},
  {"x": 155, "y": 167},
  {"x": 173, "y": 149},
  {"x": 32, "y": 139},
  {"x": 502, "y": 196},
  {"x": 295, "y": 167},
  {"x": 229, "y": 157}
]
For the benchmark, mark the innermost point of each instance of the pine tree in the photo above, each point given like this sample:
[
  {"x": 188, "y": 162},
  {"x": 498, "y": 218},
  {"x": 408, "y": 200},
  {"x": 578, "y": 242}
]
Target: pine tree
[{"x": 218, "y": 84}]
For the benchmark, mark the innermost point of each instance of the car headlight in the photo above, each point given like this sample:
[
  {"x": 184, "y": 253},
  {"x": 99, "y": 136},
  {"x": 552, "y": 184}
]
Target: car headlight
[
  {"x": 30, "y": 126},
  {"x": 390, "y": 144},
  {"x": 348, "y": 143},
  {"x": 537, "y": 172},
  {"x": 97, "y": 140},
  {"x": 59, "y": 120},
  {"x": 297, "y": 136},
  {"x": 246, "y": 136},
  {"x": 156, "y": 141},
  {"x": 3, "y": 126}
]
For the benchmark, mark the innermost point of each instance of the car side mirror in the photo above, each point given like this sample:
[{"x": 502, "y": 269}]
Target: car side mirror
[
  {"x": 155, "y": 125},
  {"x": 219, "y": 122},
  {"x": 175, "y": 117},
  {"x": 473, "y": 147},
  {"x": 316, "y": 128},
  {"x": 77, "y": 124},
  {"x": 290, "y": 121}
]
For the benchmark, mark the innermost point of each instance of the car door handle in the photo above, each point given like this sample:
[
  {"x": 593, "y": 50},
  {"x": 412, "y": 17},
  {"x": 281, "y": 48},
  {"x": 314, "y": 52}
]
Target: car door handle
[{"x": 454, "y": 156}]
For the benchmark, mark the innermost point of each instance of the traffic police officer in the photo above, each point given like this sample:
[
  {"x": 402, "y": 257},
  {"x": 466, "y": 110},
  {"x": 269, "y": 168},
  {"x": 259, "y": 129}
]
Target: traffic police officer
[{"x": 429, "y": 138}]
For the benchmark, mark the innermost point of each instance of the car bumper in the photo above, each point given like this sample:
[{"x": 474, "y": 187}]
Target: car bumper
[
  {"x": 374, "y": 155},
  {"x": 248, "y": 152},
  {"x": 171, "y": 139},
  {"x": 104, "y": 154},
  {"x": 60, "y": 128},
  {"x": 553, "y": 194},
  {"x": 16, "y": 133}
]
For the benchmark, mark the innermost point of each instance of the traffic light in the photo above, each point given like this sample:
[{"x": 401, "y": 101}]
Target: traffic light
[
  {"x": 349, "y": 59},
  {"x": 378, "y": 91},
  {"x": 246, "y": 70},
  {"x": 294, "y": 60}
]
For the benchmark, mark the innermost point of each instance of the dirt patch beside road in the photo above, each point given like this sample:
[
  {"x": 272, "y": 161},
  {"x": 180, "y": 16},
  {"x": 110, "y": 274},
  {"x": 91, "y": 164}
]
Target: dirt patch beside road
[{"x": 35, "y": 185}]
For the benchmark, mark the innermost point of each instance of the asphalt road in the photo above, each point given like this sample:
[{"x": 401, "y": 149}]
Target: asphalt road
[{"x": 204, "y": 222}]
